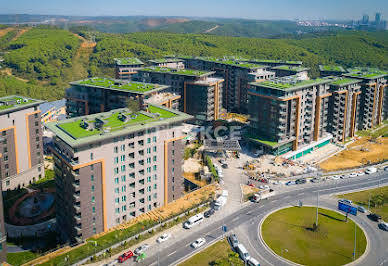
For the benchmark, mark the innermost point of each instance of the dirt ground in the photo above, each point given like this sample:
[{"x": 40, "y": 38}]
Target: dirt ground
[
  {"x": 191, "y": 177},
  {"x": 248, "y": 189},
  {"x": 191, "y": 165},
  {"x": 5, "y": 31},
  {"x": 357, "y": 154}
]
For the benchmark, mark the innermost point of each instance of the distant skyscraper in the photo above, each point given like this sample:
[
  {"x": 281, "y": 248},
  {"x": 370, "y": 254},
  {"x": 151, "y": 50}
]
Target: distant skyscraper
[
  {"x": 378, "y": 19},
  {"x": 365, "y": 19}
]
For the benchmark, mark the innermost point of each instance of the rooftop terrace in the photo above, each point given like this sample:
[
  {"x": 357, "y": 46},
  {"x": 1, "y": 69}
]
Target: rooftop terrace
[
  {"x": 291, "y": 68},
  {"x": 344, "y": 81},
  {"x": 186, "y": 72},
  {"x": 14, "y": 102},
  {"x": 91, "y": 128},
  {"x": 165, "y": 60},
  {"x": 233, "y": 62},
  {"x": 332, "y": 68},
  {"x": 274, "y": 61},
  {"x": 366, "y": 73},
  {"x": 128, "y": 61},
  {"x": 130, "y": 86},
  {"x": 289, "y": 83}
]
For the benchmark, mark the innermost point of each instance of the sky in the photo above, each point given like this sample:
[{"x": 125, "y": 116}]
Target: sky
[{"x": 251, "y": 9}]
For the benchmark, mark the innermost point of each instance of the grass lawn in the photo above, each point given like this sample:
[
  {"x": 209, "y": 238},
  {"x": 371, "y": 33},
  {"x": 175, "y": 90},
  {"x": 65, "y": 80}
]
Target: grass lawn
[
  {"x": 333, "y": 243},
  {"x": 362, "y": 198},
  {"x": 219, "y": 252},
  {"x": 20, "y": 258},
  {"x": 163, "y": 113}
]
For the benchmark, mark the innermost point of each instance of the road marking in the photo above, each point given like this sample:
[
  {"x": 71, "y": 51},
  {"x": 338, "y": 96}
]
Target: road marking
[
  {"x": 153, "y": 263},
  {"x": 275, "y": 200},
  {"x": 171, "y": 253},
  {"x": 301, "y": 193},
  {"x": 234, "y": 219}
]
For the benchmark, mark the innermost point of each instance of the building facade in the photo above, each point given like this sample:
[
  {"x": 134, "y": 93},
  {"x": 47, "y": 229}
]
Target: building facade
[
  {"x": 286, "y": 70},
  {"x": 95, "y": 95},
  {"x": 21, "y": 145},
  {"x": 331, "y": 70},
  {"x": 111, "y": 167},
  {"x": 201, "y": 93},
  {"x": 127, "y": 67},
  {"x": 169, "y": 62},
  {"x": 51, "y": 111},
  {"x": 3, "y": 233},
  {"x": 287, "y": 113},
  {"x": 236, "y": 75}
]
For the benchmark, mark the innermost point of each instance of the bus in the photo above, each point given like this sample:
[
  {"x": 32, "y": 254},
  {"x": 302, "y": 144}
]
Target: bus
[{"x": 196, "y": 219}]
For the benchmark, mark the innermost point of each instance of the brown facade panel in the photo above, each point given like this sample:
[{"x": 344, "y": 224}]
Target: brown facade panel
[
  {"x": 9, "y": 163},
  {"x": 175, "y": 179},
  {"x": 34, "y": 139}
]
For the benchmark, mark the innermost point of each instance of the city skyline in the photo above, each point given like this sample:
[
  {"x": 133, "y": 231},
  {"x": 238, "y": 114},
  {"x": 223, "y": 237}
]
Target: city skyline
[{"x": 271, "y": 10}]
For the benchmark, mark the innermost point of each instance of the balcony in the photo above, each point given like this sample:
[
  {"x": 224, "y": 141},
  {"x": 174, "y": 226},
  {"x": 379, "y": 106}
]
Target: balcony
[
  {"x": 76, "y": 197},
  {"x": 76, "y": 185},
  {"x": 78, "y": 229},
  {"x": 77, "y": 208},
  {"x": 77, "y": 218}
]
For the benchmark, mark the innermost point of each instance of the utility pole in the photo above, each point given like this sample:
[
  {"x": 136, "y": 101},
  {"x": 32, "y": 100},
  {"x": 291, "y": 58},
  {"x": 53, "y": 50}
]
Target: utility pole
[
  {"x": 316, "y": 222},
  {"x": 355, "y": 241}
]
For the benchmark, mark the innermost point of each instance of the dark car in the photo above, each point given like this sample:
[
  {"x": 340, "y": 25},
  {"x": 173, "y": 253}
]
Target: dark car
[
  {"x": 209, "y": 213},
  {"x": 374, "y": 217},
  {"x": 233, "y": 241},
  {"x": 224, "y": 165},
  {"x": 300, "y": 181}
]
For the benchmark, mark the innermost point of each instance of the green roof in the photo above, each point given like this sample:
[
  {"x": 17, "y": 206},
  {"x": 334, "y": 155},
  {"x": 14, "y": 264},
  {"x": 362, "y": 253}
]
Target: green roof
[
  {"x": 128, "y": 61},
  {"x": 332, "y": 68},
  {"x": 344, "y": 81},
  {"x": 237, "y": 63},
  {"x": 88, "y": 129},
  {"x": 265, "y": 141},
  {"x": 291, "y": 68},
  {"x": 289, "y": 84},
  {"x": 165, "y": 60},
  {"x": 186, "y": 72},
  {"x": 131, "y": 86},
  {"x": 366, "y": 73},
  {"x": 14, "y": 102},
  {"x": 275, "y": 61}
]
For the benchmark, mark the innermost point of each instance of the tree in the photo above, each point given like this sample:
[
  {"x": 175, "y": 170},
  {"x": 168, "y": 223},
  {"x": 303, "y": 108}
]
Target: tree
[{"x": 133, "y": 105}]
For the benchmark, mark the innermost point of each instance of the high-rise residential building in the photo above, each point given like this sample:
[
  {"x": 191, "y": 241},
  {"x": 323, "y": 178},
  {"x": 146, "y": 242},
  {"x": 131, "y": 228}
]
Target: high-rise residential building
[
  {"x": 378, "y": 19},
  {"x": 344, "y": 108},
  {"x": 21, "y": 142},
  {"x": 331, "y": 70},
  {"x": 201, "y": 93},
  {"x": 289, "y": 114},
  {"x": 169, "y": 62},
  {"x": 373, "y": 97},
  {"x": 365, "y": 19},
  {"x": 95, "y": 95},
  {"x": 290, "y": 70},
  {"x": 236, "y": 74},
  {"x": 127, "y": 67},
  {"x": 111, "y": 167},
  {"x": 3, "y": 234}
]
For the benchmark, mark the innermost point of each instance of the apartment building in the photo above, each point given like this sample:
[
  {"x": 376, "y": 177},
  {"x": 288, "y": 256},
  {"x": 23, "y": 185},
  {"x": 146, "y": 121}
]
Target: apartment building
[
  {"x": 3, "y": 233},
  {"x": 331, "y": 70},
  {"x": 52, "y": 111},
  {"x": 127, "y": 67},
  {"x": 95, "y": 95},
  {"x": 21, "y": 141},
  {"x": 289, "y": 114},
  {"x": 201, "y": 92},
  {"x": 169, "y": 62},
  {"x": 275, "y": 63},
  {"x": 373, "y": 97},
  {"x": 344, "y": 108},
  {"x": 236, "y": 75},
  {"x": 113, "y": 166},
  {"x": 290, "y": 70}
]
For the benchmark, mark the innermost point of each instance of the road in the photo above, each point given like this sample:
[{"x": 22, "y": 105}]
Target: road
[{"x": 245, "y": 221}]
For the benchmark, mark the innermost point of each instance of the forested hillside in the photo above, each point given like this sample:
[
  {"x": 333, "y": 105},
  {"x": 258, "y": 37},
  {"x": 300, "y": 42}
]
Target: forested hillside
[{"x": 49, "y": 58}]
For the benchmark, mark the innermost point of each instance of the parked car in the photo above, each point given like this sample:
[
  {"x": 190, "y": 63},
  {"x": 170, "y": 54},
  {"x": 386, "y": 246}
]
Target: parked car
[
  {"x": 360, "y": 173},
  {"x": 386, "y": 168},
  {"x": 335, "y": 177},
  {"x": 353, "y": 175},
  {"x": 199, "y": 242},
  {"x": 300, "y": 181},
  {"x": 374, "y": 217},
  {"x": 163, "y": 237},
  {"x": 383, "y": 226},
  {"x": 209, "y": 213},
  {"x": 290, "y": 183},
  {"x": 141, "y": 249},
  {"x": 224, "y": 165},
  {"x": 346, "y": 201},
  {"x": 315, "y": 180},
  {"x": 233, "y": 241},
  {"x": 371, "y": 170},
  {"x": 125, "y": 256},
  {"x": 252, "y": 262},
  {"x": 361, "y": 209},
  {"x": 344, "y": 176},
  {"x": 264, "y": 187}
]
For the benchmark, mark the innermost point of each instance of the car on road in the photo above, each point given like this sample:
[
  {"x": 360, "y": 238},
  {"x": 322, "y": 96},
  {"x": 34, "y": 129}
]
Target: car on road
[
  {"x": 125, "y": 256},
  {"x": 386, "y": 168},
  {"x": 360, "y": 173},
  {"x": 233, "y": 241},
  {"x": 252, "y": 262},
  {"x": 346, "y": 201},
  {"x": 300, "y": 181},
  {"x": 276, "y": 182},
  {"x": 264, "y": 187},
  {"x": 335, "y": 177},
  {"x": 344, "y": 176},
  {"x": 353, "y": 175},
  {"x": 374, "y": 217},
  {"x": 163, "y": 237},
  {"x": 290, "y": 183},
  {"x": 209, "y": 213},
  {"x": 315, "y": 180},
  {"x": 141, "y": 249},
  {"x": 224, "y": 165},
  {"x": 371, "y": 170},
  {"x": 192, "y": 221},
  {"x": 199, "y": 242},
  {"x": 361, "y": 209},
  {"x": 383, "y": 226}
]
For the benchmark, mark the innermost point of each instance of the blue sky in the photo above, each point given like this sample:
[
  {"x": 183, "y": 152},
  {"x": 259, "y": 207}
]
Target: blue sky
[{"x": 254, "y": 9}]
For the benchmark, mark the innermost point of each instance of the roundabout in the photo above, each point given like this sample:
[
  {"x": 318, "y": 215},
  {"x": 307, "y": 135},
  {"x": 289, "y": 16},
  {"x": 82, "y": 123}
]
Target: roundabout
[{"x": 291, "y": 233}]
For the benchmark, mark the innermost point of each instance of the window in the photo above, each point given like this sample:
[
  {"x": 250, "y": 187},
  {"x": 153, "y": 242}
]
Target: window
[
  {"x": 5, "y": 149},
  {"x": 131, "y": 165},
  {"x": 155, "y": 186},
  {"x": 7, "y": 183},
  {"x": 148, "y": 169},
  {"x": 149, "y": 198},
  {"x": 117, "y": 210},
  {"x": 92, "y": 188},
  {"x": 124, "y": 198},
  {"x": 92, "y": 178},
  {"x": 93, "y": 209},
  {"x": 173, "y": 169},
  {"x": 116, "y": 170},
  {"x": 155, "y": 195},
  {"x": 117, "y": 190},
  {"x": 123, "y": 178},
  {"x": 123, "y": 188},
  {"x": 173, "y": 161},
  {"x": 154, "y": 148},
  {"x": 123, "y": 168},
  {"x": 173, "y": 179},
  {"x": 116, "y": 180},
  {"x": 148, "y": 179},
  {"x": 154, "y": 139},
  {"x": 122, "y": 148},
  {"x": 92, "y": 167},
  {"x": 36, "y": 115},
  {"x": 91, "y": 156},
  {"x": 131, "y": 175},
  {"x": 37, "y": 138},
  {"x": 149, "y": 189},
  {"x": 148, "y": 160},
  {"x": 94, "y": 230},
  {"x": 3, "y": 133},
  {"x": 148, "y": 140},
  {"x": 116, "y": 160},
  {"x": 36, "y": 123},
  {"x": 117, "y": 200},
  {"x": 155, "y": 167},
  {"x": 141, "y": 133},
  {"x": 155, "y": 177},
  {"x": 123, "y": 208},
  {"x": 155, "y": 158},
  {"x": 148, "y": 150},
  {"x": 37, "y": 131},
  {"x": 93, "y": 199},
  {"x": 116, "y": 149},
  {"x": 5, "y": 158},
  {"x": 122, "y": 158},
  {"x": 172, "y": 188}
]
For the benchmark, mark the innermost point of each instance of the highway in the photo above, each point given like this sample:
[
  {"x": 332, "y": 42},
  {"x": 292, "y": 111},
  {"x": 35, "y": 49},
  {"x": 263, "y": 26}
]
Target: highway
[{"x": 245, "y": 222}]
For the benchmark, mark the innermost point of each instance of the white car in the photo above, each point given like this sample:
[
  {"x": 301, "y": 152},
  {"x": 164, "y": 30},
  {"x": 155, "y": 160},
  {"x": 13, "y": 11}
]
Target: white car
[
  {"x": 264, "y": 187},
  {"x": 163, "y": 238},
  {"x": 335, "y": 177},
  {"x": 353, "y": 175},
  {"x": 199, "y": 242},
  {"x": 360, "y": 173}
]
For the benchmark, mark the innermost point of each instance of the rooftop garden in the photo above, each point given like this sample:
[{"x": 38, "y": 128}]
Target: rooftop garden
[
  {"x": 234, "y": 62},
  {"x": 128, "y": 61},
  {"x": 277, "y": 61},
  {"x": 262, "y": 140},
  {"x": 111, "y": 84},
  {"x": 291, "y": 68},
  {"x": 165, "y": 60},
  {"x": 344, "y": 81},
  {"x": 110, "y": 122},
  {"x": 331, "y": 68},
  {"x": 13, "y": 102},
  {"x": 189, "y": 72},
  {"x": 368, "y": 73},
  {"x": 288, "y": 84}
]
